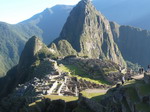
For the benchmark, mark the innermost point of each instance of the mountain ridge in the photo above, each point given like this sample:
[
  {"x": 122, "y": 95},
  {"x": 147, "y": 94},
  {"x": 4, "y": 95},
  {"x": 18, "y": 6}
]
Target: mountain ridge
[
  {"x": 22, "y": 32},
  {"x": 24, "y": 35}
]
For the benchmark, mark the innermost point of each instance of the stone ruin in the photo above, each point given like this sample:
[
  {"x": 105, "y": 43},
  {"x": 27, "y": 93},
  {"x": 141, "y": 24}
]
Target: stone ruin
[{"x": 62, "y": 85}]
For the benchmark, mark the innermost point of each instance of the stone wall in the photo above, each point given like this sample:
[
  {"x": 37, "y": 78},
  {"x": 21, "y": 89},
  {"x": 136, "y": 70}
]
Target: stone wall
[{"x": 147, "y": 77}]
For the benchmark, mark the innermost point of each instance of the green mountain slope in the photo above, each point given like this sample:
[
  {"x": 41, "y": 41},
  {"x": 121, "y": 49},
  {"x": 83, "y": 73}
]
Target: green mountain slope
[
  {"x": 43, "y": 25},
  {"x": 31, "y": 57},
  {"x": 12, "y": 40},
  {"x": 13, "y": 37}
]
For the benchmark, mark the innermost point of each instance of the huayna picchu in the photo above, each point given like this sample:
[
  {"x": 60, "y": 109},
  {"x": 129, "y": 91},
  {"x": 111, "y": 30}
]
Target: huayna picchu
[{"x": 86, "y": 69}]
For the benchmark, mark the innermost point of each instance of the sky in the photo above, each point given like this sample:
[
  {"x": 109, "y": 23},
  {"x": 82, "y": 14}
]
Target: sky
[{"x": 14, "y": 11}]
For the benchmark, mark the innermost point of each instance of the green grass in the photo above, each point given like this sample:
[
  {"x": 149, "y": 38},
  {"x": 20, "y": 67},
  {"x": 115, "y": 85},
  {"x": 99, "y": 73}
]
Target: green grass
[
  {"x": 56, "y": 97},
  {"x": 124, "y": 102},
  {"x": 94, "y": 96},
  {"x": 144, "y": 89},
  {"x": 141, "y": 107},
  {"x": 91, "y": 95},
  {"x": 73, "y": 69},
  {"x": 34, "y": 103},
  {"x": 109, "y": 70},
  {"x": 132, "y": 94},
  {"x": 131, "y": 91},
  {"x": 81, "y": 109},
  {"x": 130, "y": 83},
  {"x": 77, "y": 72},
  {"x": 133, "y": 83},
  {"x": 65, "y": 98},
  {"x": 36, "y": 63},
  {"x": 76, "y": 69}
]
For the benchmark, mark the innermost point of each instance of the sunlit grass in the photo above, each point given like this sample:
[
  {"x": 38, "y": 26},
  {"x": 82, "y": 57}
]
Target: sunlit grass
[
  {"x": 77, "y": 72},
  {"x": 65, "y": 98},
  {"x": 56, "y": 97},
  {"x": 91, "y": 95},
  {"x": 109, "y": 70},
  {"x": 34, "y": 103}
]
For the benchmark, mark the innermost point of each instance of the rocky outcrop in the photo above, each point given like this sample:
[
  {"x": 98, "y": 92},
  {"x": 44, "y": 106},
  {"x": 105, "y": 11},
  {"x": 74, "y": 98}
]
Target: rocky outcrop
[{"x": 64, "y": 48}]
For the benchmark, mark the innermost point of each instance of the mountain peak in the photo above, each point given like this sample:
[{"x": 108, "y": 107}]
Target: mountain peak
[
  {"x": 86, "y": 1},
  {"x": 33, "y": 45},
  {"x": 47, "y": 11},
  {"x": 78, "y": 17},
  {"x": 89, "y": 33}
]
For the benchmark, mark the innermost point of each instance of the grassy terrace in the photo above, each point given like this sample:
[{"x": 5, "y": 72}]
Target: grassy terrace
[
  {"x": 132, "y": 83},
  {"x": 94, "y": 96},
  {"x": 57, "y": 97},
  {"x": 65, "y": 98},
  {"x": 80, "y": 74},
  {"x": 34, "y": 103},
  {"x": 109, "y": 70}
]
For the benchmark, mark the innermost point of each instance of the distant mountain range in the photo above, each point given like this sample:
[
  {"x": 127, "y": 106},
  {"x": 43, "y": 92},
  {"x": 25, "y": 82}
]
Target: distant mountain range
[
  {"x": 126, "y": 12},
  {"x": 48, "y": 25}
]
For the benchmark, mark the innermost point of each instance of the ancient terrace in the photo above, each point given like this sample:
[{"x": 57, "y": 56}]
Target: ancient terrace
[{"x": 62, "y": 85}]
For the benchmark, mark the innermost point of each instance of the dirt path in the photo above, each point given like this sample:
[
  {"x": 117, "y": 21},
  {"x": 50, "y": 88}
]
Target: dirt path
[
  {"x": 96, "y": 90},
  {"x": 138, "y": 76}
]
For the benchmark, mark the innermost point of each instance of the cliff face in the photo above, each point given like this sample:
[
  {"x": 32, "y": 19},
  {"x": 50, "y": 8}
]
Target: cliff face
[
  {"x": 89, "y": 33},
  {"x": 133, "y": 43}
]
